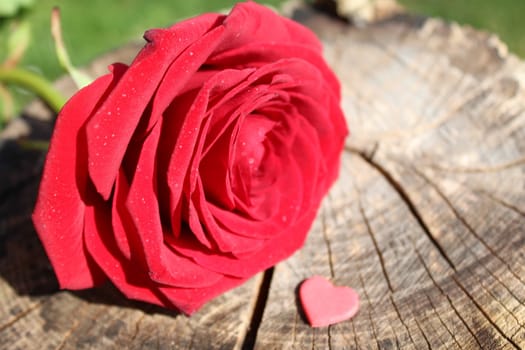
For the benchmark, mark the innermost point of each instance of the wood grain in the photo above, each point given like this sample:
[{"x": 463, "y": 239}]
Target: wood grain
[{"x": 427, "y": 220}]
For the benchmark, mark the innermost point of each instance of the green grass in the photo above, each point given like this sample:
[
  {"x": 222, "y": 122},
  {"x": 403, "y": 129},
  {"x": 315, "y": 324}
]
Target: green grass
[{"x": 503, "y": 17}]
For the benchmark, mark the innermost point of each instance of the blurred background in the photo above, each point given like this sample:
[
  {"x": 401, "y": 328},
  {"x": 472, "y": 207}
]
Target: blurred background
[{"x": 94, "y": 27}]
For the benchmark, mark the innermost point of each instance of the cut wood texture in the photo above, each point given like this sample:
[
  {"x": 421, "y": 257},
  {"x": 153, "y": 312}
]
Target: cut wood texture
[{"x": 426, "y": 222}]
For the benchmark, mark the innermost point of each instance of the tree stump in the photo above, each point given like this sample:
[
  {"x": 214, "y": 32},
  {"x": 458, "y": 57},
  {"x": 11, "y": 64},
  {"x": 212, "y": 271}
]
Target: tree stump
[{"x": 426, "y": 222}]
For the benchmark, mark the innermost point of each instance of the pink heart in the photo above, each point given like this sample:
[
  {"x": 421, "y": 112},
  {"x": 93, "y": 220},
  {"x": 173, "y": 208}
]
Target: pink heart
[{"x": 324, "y": 304}]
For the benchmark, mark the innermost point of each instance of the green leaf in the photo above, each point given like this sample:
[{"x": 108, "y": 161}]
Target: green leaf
[{"x": 9, "y": 8}]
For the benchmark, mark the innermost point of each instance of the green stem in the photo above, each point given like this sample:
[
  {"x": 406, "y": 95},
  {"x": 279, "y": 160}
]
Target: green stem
[{"x": 34, "y": 83}]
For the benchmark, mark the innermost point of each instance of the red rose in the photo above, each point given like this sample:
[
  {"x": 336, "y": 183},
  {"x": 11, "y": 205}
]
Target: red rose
[{"x": 197, "y": 166}]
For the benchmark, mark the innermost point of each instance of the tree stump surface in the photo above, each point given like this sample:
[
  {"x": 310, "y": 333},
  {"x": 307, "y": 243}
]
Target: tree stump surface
[{"x": 426, "y": 222}]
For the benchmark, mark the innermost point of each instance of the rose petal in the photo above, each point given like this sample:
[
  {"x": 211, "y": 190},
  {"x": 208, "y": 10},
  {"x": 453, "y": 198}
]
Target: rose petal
[
  {"x": 164, "y": 265},
  {"x": 278, "y": 248},
  {"x": 261, "y": 54},
  {"x": 183, "y": 69},
  {"x": 128, "y": 277},
  {"x": 120, "y": 218},
  {"x": 123, "y": 108},
  {"x": 224, "y": 240},
  {"x": 249, "y": 22},
  {"x": 291, "y": 189},
  {"x": 59, "y": 211},
  {"x": 214, "y": 171}
]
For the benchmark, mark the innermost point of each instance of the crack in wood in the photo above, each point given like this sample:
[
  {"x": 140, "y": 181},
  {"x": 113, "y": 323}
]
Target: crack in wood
[
  {"x": 456, "y": 311},
  {"x": 329, "y": 333},
  {"x": 397, "y": 339},
  {"x": 486, "y": 315},
  {"x": 324, "y": 230},
  {"x": 396, "y": 309},
  {"x": 429, "y": 346},
  {"x": 436, "y": 335},
  {"x": 408, "y": 202},
  {"x": 137, "y": 327},
  {"x": 472, "y": 231},
  {"x": 404, "y": 196},
  {"x": 19, "y": 316},
  {"x": 515, "y": 333},
  {"x": 370, "y": 308},
  {"x": 434, "y": 282},
  {"x": 68, "y": 334},
  {"x": 489, "y": 291},
  {"x": 496, "y": 200},
  {"x": 441, "y": 321},
  {"x": 258, "y": 311},
  {"x": 355, "y": 335},
  {"x": 375, "y": 244}
]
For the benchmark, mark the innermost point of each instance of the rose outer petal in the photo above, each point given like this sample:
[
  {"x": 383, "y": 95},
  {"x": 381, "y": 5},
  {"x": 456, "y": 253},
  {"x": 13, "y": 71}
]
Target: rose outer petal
[{"x": 59, "y": 213}]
